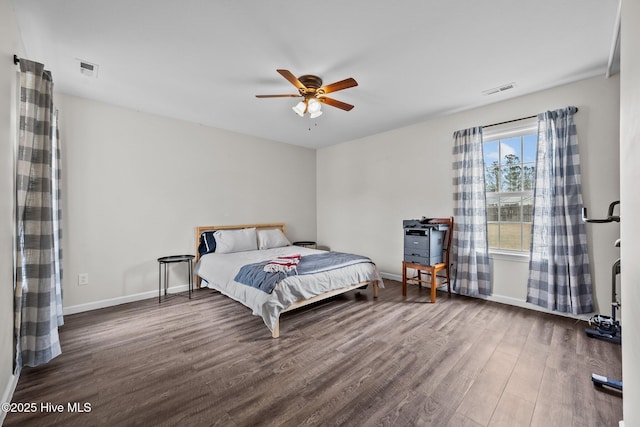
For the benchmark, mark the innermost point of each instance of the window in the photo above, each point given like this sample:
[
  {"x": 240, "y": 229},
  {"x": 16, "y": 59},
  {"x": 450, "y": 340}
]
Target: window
[{"x": 510, "y": 169}]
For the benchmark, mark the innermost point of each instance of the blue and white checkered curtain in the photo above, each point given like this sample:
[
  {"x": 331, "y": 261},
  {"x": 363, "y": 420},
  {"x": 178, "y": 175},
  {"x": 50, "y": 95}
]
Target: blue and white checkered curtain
[
  {"x": 559, "y": 276},
  {"x": 470, "y": 250},
  {"x": 38, "y": 290}
]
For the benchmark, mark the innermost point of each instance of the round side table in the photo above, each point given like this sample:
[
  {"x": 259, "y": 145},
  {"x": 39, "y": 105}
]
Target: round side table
[
  {"x": 164, "y": 262},
  {"x": 305, "y": 244}
]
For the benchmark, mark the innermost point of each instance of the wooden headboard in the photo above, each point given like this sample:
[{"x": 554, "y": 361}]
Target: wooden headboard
[{"x": 201, "y": 229}]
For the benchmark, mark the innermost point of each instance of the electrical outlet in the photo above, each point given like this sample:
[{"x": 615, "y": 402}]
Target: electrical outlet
[{"x": 83, "y": 279}]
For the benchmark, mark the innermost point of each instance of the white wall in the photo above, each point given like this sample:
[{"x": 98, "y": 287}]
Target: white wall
[
  {"x": 136, "y": 185},
  {"x": 630, "y": 205},
  {"x": 10, "y": 44},
  {"x": 368, "y": 186}
]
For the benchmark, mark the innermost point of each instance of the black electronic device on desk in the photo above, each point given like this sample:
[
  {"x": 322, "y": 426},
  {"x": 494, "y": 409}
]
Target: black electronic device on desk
[{"x": 423, "y": 242}]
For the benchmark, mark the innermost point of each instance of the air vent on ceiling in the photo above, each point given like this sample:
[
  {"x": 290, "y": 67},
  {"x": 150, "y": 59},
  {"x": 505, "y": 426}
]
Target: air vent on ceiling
[
  {"x": 499, "y": 89},
  {"x": 88, "y": 69}
]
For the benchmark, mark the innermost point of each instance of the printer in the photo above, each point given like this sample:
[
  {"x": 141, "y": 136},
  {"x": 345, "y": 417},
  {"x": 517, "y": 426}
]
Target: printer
[{"x": 423, "y": 242}]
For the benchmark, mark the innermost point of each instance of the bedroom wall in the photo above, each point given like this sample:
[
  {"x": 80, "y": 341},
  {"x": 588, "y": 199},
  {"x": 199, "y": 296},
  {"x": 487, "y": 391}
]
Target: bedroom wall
[
  {"x": 10, "y": 44},
  {"x": 630, "y": 205},
  {"x": 136, "y": 185},
  {"x": 367, "y": 187}
]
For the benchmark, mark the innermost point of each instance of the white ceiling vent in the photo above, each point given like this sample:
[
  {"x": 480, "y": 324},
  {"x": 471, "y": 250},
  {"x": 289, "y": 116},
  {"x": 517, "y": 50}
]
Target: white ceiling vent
[
  {"x": 499, "y": 89},
  {"x": 88, "y": 69}
]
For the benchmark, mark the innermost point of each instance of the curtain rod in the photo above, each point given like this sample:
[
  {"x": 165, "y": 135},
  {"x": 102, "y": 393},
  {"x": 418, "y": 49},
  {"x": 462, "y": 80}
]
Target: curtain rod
[
  {"x": 16, "y": 60},
  {"x": 515, "y": 120},
  {"x": 509, "y": 121}
]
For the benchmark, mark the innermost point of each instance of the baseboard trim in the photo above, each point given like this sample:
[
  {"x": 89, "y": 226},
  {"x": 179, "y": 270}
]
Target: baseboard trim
[
  {"x": 396, "y": 277},
  {"x": 503, "y": 300},
  {"x": 95, "y": 305},
  {"x": 521, "y": 303},
  {"x": 7, "y": 395}
]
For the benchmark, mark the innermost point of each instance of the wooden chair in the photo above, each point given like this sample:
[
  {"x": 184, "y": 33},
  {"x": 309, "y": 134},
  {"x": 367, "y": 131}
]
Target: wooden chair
[{"x": 432, "y": 270}]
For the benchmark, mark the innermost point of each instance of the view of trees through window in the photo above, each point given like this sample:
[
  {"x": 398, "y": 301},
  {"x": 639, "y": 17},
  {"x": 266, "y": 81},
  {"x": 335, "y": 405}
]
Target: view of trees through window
[{"x": 510, "y": 168}]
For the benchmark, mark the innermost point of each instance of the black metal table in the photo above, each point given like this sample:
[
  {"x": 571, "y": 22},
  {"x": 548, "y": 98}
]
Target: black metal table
[
  {"x": 164, "y": 262},
  {"x": 305, "y": 244}
]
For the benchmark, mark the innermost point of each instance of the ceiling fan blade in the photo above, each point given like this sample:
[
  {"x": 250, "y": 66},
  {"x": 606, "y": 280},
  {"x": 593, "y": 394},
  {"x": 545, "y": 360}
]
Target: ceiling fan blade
[
  {"x": 342, "y": 84},
  {"x": 335, "y": 103},
  {"x": 292, "y": 79},
  {"x": 278, "y": 96}
]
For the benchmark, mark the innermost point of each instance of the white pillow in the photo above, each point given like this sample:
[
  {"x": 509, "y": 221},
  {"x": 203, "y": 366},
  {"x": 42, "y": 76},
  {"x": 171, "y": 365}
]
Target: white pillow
[
  {"x": 268, "y": 239},
  {"x": 228, "y": 241}
]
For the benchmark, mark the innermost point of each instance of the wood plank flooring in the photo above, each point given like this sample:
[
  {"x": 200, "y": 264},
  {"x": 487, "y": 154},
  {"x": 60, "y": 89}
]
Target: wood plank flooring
[{"x": 351, "y": 361}]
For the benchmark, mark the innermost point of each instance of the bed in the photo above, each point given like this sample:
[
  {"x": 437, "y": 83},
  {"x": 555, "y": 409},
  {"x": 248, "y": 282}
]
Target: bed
[{"x": 224, "y": 253}]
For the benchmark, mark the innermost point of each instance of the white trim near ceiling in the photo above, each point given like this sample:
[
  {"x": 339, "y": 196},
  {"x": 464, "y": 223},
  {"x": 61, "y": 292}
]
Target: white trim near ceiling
[{"x": 615, "y": 42}]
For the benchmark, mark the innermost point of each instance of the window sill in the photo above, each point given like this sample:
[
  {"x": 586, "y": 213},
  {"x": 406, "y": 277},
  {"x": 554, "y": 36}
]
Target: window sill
[{"x": 509, "y": 256}]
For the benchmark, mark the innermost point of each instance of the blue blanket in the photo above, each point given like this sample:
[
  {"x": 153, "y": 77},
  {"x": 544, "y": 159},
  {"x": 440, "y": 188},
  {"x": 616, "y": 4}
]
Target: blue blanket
[{"x": 254, "y": 275}]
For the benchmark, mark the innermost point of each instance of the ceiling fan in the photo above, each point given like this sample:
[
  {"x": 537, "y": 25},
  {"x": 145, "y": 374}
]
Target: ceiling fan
[{"x": 313, "y": 93}]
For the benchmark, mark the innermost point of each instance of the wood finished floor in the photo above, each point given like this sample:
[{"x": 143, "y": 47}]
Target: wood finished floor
[{"x": 351, "y": 361}]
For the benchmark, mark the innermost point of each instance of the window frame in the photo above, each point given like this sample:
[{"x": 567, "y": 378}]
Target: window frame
[{"x": 504, "y": 131}]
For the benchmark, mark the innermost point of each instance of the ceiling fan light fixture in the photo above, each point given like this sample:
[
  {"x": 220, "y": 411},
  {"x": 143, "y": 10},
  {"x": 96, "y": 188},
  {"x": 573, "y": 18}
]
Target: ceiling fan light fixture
[
  {"x": 312, "y": 91},
  {"x": 315, "y": 108},
  {"x": 300, "y": 108}
]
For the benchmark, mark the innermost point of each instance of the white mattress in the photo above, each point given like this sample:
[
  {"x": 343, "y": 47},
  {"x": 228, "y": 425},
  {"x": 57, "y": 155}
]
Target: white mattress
[{"x": 219, "y": 271}]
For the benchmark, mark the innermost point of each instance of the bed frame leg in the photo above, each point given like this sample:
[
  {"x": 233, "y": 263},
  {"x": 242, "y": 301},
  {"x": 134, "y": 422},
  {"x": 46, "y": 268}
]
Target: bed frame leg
[
  {"x": 276, "y": 330},
  {"x": 375, "y": 289}
]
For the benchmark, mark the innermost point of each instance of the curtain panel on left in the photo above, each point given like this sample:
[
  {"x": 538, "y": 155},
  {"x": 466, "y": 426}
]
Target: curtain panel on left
[
  {"x": 38, "y": 287},
  {"x": 470, "y": 245}
]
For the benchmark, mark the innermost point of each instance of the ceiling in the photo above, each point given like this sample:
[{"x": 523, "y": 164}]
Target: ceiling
[{"x": 204, "y": 61}]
